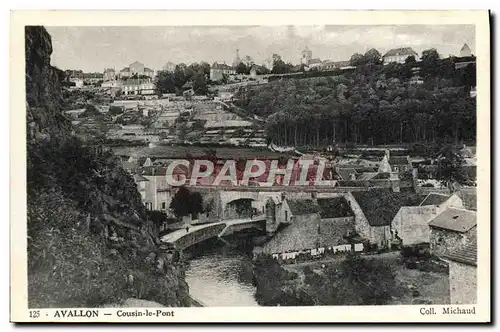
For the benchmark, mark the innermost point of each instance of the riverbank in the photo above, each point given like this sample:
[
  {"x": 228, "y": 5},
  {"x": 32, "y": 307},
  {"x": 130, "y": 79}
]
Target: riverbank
[{"x": 382, "y": 279}]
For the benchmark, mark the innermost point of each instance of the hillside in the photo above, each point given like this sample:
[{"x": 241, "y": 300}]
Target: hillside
[
  {"x": 89, "y": 241},
  {"x": 373, "y": 104}
]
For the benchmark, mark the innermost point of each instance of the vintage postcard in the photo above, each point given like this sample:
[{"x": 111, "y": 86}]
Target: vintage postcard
[{"x": 260, "y": 166}]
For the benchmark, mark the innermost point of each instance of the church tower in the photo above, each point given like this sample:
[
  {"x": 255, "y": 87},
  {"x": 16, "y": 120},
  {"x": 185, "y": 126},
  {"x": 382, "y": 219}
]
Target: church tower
[
  {"x": 306, "y": 56},
  {"x": 237, "y": 59},
  {"x": 465, "y": 51}
]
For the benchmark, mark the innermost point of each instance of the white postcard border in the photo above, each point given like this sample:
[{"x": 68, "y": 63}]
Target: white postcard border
[{"x": 18, "y": 244}]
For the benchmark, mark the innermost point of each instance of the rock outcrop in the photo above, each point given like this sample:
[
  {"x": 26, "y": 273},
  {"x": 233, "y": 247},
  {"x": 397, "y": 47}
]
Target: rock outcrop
[
  {"x": 89, "y": 240},
  {"x": 43, "y": 87}
]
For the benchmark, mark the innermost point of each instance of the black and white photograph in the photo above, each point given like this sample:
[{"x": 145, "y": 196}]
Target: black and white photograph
[{"x": 259, "y": 165}]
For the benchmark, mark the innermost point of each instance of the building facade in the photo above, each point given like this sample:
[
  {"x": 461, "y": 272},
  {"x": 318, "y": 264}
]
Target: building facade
[
  {"x": 463, "y": 274},
  {"x": 109, "y": 74},
  {"x": 138, "y": 87},
  {"x": 399, "y": 55},
  {"x": 169, "y": 67},
  {"x": 217, "y": 71},
  {"x": 451, "y": 230},
  {"x": 138, "y": 69},
  {"x": 465, "y": 51},
  {"x": 306, "y": 56}
]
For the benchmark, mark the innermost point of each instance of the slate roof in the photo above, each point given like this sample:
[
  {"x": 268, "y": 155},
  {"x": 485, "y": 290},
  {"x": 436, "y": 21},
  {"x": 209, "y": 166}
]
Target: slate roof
[
  {"x": 456, "y": 220},
  {"x": 399, "y": 160},
  {"x": 345, "y": 173},
  {"x": 136, "y": 81},
  {"x": 152, "y": 170},
  {"x": 336, "y": 207},
  {"x": 139, "y": 178},
  {"x": 340, "y": 64},
  {"x": 314, "y": 61},
  {"x": 380, "y": 206},
  {"x": 466, "y": 255},
  {"x": 367, "y": 176},
  {"x": 221, "y": 66},
  {"x": 465, "y": 47},
  {"x": 300, "y": 207},
  {"x": 401, "y": 51},
  {"x": 469, "y": 199},
  {"x": 435, "y": 199}
]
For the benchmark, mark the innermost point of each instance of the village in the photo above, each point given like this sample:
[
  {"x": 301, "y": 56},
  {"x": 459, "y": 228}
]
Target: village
[{"x": 373, "y": 199}]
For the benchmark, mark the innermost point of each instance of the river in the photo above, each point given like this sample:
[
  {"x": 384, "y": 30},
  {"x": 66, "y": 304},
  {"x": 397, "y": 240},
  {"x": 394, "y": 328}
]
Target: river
[{"x": 221, "y": 276}]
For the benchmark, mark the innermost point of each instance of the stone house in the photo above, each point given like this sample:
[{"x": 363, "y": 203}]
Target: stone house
[
  {"x": 451, "y": 230},
  {"x": 217, "y": 71},
  {"x": 410, "y": 226},
  {"x": 463, "y": 274},
  {"x": 286, "y": 211},
  {"x": 399, "y": 55},
  {"x": 337, "y": 221},
  {"x": 326, "y": 223},
  {"x": 141, "y": 182},
  {"x": 294, "y": 223},
  {"x": 374, "y": 211},
  {"x": 155, "y": 191}
]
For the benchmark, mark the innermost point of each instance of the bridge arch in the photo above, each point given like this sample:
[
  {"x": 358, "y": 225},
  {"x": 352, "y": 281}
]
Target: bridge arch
[
  {"x": 231, "y": 201},
  {"x": 239, "y": 208}
]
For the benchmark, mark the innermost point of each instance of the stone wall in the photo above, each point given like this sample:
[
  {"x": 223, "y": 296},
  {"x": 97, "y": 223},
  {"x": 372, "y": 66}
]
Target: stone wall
[
  {"x": 444, "y": 242},
  {"x": 463, "y": 283},
  {"x": 300, "y": 235},
  {"x": 332, "y": 231},
  {"x": 411, "y": 224},
  {"x": 379, "y": 235}
]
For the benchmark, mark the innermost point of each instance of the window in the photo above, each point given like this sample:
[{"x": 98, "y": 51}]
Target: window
[
  {"x": 163, "y": 205},
  {"x": 286, "y": 215}
]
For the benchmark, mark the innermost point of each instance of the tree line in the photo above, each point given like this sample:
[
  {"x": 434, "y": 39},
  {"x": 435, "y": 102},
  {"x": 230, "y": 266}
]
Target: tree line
[
  {"x": 373, "y": 104},
  {"x": 173, "y": 82}
]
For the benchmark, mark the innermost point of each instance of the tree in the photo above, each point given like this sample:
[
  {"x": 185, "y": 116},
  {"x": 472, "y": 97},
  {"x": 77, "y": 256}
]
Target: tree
[
  {"x": 248, "y": 61},
  {"x": 199, "y": 83},
  {"x": 410, "y": 60},
  {"x": 241, "y": 68},
  {"x": 451, "y": 167},
  {"x": 205, "y": 67},
  {"x": 165, "y": 82},
  {"x": 179, "y": 76},
  {"x": 279, "y": 66},
  {"x": 185, "y": 203},
  {"x": 430, "y": 62},
  {"x": 356, "y": 59},
  {"x": 372, "y": 56},
  {"x": 180, "y": 203},
  {"x": 115, "y": 110},
  {"x": 157, "y": 217},
  {"x": 195, "y": 204}
]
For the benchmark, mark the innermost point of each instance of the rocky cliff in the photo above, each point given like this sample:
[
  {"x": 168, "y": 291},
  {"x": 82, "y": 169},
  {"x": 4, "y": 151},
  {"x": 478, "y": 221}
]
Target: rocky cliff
[
  {"x": 43, "y": 88},
  {"x": 89, "y": 241}
]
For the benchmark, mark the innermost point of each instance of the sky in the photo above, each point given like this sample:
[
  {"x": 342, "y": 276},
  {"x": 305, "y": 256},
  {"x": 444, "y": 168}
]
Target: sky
[{"x": 92, "y": 49}]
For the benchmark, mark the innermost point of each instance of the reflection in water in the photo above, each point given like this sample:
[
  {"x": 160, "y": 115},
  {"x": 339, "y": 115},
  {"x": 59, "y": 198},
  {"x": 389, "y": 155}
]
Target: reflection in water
[{"x": 222, "y": 278}]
